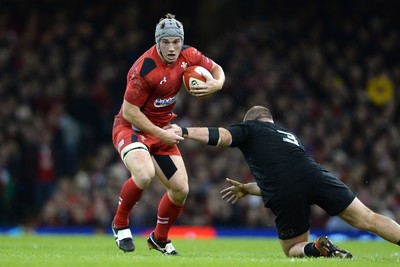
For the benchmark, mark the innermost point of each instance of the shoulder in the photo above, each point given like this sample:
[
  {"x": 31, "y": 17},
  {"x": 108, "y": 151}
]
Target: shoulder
[
  {"x": 240, "y": 132},
  {"x": 188, "y": 49},
  {"x": 191, "y": 53},
  {"x": 251, "y": 125},
  {"x": 146, "y": 63},
  {"x": 249, "y": 128}
]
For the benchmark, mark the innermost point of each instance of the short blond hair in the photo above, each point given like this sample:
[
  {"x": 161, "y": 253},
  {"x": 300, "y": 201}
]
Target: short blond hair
[{"x": 256, "y": 113}]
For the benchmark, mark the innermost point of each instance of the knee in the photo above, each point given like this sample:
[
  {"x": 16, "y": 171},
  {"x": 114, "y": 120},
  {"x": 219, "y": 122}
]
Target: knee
[
  {"x": 294, "y": 250},
  {"x": 141, "y": 181},
  {"x": 142, "y": 177},
  {"x": 178, "y": 193}
]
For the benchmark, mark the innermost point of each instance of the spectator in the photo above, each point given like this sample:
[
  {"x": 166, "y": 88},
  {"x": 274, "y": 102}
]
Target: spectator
[{"x": 315, "y": 64}]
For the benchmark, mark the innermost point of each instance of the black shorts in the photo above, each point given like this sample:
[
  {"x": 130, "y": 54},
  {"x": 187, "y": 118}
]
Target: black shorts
[{"x": 292, "y": 206}]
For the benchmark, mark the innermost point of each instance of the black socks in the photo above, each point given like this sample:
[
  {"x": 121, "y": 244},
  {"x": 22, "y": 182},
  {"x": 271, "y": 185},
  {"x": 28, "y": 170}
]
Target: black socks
[{"x": 311, "y": 251}]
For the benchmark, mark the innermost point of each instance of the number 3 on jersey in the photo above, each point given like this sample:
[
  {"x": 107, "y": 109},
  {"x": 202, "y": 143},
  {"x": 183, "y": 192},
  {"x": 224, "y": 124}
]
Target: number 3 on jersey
[{"x": 289, "y": 138}]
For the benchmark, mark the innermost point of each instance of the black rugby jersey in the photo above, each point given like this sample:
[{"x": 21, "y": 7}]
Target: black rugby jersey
[{"x": 275, "y": 155}]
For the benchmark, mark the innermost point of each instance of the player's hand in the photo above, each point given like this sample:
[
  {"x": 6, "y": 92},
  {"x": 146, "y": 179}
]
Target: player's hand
[
  {"x": 207, "y": 89},
  {"x": 170, "y": 137},
  {"x": 233, "y": 193},
  {"x": 176, "y": 128},
  {"x": 210, "y": 87}
]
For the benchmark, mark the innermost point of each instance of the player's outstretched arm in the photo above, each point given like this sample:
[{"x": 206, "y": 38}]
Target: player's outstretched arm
[
  {"x": 238, "y": 190},
  {"x": 214, "y": 136}
]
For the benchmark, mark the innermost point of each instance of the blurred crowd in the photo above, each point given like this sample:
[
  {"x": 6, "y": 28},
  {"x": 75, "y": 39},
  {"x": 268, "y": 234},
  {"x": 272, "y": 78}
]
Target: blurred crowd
[{"x": 328, "y": 71}]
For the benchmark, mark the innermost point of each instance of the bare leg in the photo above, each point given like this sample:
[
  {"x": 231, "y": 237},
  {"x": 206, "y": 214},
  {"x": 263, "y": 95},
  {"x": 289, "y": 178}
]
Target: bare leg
[
  {"x": 294, "y": 247},
  {"x": 361, "y": 217}
]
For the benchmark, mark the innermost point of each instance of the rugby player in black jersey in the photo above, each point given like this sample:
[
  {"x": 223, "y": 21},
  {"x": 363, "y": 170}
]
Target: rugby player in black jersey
[{"x": 289, "y": 182}]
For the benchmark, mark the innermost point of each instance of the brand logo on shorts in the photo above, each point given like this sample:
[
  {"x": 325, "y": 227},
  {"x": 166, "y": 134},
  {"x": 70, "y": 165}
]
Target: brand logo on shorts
[{"x": 286, "y": 233}]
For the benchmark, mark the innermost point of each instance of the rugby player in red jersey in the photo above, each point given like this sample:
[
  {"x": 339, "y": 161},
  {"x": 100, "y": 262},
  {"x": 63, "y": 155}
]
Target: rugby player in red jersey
[{"x": 146, "y": 148}]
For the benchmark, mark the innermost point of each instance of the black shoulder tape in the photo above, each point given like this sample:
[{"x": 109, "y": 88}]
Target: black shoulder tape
[
  {"x": 148, "y": 65},
  {"x": 184, "y": 47}
]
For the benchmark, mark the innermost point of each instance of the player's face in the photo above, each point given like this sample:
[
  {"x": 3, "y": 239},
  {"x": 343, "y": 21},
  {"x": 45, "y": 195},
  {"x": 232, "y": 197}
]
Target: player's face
[{"x": 170, "y": 48}]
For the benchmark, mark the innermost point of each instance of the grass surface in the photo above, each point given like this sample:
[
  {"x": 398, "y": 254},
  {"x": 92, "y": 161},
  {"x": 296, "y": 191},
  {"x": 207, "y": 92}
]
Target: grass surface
[{"x": 100, "y": 250}]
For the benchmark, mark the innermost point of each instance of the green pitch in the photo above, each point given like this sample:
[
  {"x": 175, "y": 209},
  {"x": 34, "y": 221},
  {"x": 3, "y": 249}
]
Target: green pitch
[{"x": 100, "y": 250}]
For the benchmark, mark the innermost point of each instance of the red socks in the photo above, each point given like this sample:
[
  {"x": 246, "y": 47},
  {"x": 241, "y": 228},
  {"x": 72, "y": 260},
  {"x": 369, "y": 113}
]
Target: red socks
[
  {"x": 167, "y": 214},
  {"x": 129, "y": 196}
]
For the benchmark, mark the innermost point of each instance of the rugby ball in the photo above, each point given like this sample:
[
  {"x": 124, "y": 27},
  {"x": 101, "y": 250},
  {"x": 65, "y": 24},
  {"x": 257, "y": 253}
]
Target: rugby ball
[{"x": 194, "y": 75}]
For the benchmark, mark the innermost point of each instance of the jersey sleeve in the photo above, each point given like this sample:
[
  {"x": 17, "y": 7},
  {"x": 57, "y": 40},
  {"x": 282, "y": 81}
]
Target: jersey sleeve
[
  {"x": 196, "y": 58},
  {"x": 239, "y": 134},
  {"x": 137, "y": 91}
]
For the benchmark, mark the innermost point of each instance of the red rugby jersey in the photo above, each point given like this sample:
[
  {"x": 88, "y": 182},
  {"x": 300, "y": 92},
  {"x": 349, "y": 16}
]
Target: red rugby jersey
[{"x": 153, "y": 85}]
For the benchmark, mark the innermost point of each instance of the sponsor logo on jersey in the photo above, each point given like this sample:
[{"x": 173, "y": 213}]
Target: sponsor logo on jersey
[
  {"x": 165, "y": 102},
  {"x": 184, "y": 65}
]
